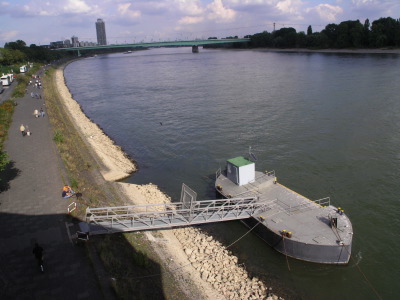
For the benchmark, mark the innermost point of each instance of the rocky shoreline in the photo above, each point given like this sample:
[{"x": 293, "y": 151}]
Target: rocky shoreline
[{"x": 190, "y": 253}]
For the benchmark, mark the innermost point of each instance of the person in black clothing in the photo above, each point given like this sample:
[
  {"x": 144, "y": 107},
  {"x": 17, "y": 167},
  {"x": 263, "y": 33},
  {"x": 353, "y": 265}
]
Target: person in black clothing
[{"x": 38, "y": 252}]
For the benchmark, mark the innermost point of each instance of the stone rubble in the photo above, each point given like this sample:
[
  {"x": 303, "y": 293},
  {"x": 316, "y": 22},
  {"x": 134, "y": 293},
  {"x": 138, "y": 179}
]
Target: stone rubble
[{"x": 217, "y": 266}]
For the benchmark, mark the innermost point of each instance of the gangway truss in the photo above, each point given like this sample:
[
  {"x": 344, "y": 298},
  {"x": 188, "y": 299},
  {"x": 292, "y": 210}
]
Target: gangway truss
[{"x": 167, "y": 215}]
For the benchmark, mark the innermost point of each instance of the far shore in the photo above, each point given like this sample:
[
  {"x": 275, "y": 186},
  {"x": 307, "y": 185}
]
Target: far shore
[{"x": 347, "y": 51}]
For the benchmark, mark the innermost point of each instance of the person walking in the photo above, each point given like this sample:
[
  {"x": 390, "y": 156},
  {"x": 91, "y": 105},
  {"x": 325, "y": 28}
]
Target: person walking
[
  {"x": 22, "y": 129},
  {"x": 36, "y": 113},
  {"x": 42, "y": 112},
  {"x": 38, "y": 253}
]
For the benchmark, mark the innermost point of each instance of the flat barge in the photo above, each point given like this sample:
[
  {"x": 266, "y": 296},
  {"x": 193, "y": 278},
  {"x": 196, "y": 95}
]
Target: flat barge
[{"x": 294, "y": 225}]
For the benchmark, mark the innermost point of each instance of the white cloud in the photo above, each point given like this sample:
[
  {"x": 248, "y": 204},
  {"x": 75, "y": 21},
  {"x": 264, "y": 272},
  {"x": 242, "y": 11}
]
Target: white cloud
[
  {"x": 326, "y": 12},
  {"x": 76, "y": 7},
  {"x": 124, "y": 10},
  {"x": 289, "y": 6},
  {"x": 190, "y": 20},
  {"x": 363, "y": 2},
  {"x": 375, "y": 8},
  {"x": 45, "y": 13},
  {"x": 253, "y": 2},
  {"x": 8, "y": 35},
  {"x": 190, "y": 7},
  {"x": 219, "y": 13}
]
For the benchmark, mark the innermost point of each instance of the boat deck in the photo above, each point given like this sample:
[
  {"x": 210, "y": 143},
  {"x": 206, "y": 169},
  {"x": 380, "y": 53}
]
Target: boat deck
[{"x": 308, "y": 221}]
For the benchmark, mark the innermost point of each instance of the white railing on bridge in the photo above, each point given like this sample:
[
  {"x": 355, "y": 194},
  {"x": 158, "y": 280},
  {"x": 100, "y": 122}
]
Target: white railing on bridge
[{"x": 168, "y": 215}]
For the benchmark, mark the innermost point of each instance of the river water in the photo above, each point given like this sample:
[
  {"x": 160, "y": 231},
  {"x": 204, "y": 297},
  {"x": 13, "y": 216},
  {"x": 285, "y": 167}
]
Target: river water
[{"x": 328, "y": 124}]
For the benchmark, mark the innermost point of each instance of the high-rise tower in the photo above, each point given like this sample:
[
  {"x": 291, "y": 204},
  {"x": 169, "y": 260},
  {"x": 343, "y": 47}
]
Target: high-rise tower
[{"x": 101, "y": 32}]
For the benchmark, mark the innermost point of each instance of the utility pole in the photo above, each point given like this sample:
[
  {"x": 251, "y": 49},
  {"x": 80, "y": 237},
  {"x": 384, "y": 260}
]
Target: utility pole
[{"x": 274, "y": 26}]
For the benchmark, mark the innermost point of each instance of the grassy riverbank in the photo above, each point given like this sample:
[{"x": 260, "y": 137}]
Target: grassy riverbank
[
  {"x": 6, "y": 113},
  {"x": 133, "y": 268}
]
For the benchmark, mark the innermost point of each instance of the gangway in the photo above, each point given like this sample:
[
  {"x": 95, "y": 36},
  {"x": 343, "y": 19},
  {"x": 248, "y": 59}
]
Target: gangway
[{"x": 167, "y": 215}]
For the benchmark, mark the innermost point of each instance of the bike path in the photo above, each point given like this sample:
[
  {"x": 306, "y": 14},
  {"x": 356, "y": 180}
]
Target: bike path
[{"x": 31, "y": 209}]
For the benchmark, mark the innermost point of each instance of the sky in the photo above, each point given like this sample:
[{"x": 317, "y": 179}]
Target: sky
[{"x": 127, "y": 21}]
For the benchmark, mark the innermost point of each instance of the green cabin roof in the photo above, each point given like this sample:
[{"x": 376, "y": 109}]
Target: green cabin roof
[{"x": 239, "y": 161}]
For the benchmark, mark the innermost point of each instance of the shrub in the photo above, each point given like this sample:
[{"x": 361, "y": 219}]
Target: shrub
[{"x": 58, "y": 137}]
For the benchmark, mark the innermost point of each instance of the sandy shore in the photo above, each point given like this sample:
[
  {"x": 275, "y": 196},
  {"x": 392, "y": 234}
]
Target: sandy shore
[
  {"x": 115, "y": 163},
  {"x": 193, "y": 256}
]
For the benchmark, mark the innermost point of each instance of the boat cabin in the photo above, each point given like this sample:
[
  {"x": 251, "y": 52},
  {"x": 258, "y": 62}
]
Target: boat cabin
[{"x": 240, "y": 170}]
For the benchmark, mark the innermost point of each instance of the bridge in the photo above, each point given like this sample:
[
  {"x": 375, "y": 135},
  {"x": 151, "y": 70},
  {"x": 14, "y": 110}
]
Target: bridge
[
  {"x": 191, "y": 43},
  {"x": 187, "y": 212}
]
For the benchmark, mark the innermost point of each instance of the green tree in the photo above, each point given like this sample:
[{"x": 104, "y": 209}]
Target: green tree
[
  {"x": 263, "y": 39},
  {"x": 366, "y": 32},
  {"x": 331, "y": 32},
  {"x": 385, "y": 32},
  {"x": 17, "y": 45},
  {"x": 301, "y": 40},
  {"x": 318, "y": 40},
  {"x": 285, "y": 38},
  {"x": 349, "y": 34},
  {"x": 309, "y": 30},
  {"x": 9, "y": 57}
]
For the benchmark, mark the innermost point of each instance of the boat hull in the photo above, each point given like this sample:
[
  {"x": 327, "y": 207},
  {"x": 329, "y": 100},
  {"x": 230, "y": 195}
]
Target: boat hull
[{"x": 324, "y": 254}]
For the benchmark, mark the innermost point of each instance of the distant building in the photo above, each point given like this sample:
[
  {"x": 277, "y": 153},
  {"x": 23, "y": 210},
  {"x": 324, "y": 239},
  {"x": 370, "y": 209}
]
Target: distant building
[
  {"x": 75, "y": 42},
  {"x": 67, "y": 43},
  {"x": 86, "y": 44},
  {"x": 58, "y": 44},
  {"x": 101, "y": 32}
]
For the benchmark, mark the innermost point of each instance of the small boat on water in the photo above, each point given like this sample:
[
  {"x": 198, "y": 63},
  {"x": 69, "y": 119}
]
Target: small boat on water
[
  {"x": 127, "y": 52},
  {"x": 294, "y": 225}
]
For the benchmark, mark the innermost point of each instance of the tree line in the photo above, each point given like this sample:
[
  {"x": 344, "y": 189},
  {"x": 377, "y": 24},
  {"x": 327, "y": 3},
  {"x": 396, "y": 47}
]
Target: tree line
[
  {"x": 18, "y": 51},
  {"x": 384, "y": 32}
]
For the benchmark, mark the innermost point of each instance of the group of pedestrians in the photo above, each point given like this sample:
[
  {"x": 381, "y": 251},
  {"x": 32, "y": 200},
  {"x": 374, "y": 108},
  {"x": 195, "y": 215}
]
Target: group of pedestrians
[
  {"x": 37, "y": 112},
  {"x": 36, "y": 95},
  {"x": 36, "y": 81},
  {"x": 24, "y": 130}
]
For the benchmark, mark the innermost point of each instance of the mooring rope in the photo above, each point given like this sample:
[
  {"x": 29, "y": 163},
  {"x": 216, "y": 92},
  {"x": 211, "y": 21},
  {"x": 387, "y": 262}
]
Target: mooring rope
[
  {"x": 284, "y": 247},
  {"x": 336, "y": 232}
]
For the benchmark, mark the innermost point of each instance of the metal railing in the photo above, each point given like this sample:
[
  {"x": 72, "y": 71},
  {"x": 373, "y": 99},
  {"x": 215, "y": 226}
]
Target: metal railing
[
  {"x": 303, "y": 207},
  {"x": 167, "y": 215}
]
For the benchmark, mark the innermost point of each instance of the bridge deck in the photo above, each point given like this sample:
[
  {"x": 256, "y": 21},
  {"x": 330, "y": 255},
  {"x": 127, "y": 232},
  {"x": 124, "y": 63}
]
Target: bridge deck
[
  {"x": 159, "y": 44},
  {"x": 167, "y": 215}
]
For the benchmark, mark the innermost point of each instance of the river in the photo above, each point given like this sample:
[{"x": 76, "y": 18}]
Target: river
[{"x": 328, "y": 124}]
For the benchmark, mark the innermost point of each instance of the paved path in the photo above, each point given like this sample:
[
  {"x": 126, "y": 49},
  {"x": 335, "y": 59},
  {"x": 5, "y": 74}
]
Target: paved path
[{"x": 32, "y": 210}]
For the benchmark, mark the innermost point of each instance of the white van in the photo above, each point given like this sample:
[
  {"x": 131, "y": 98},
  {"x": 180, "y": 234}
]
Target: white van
[
  {"x": 23, "y": 69},
  {"x": 11, "y": 75},
  {"x": 5, "y": 79},
  {"x": 1, "y": 87}
]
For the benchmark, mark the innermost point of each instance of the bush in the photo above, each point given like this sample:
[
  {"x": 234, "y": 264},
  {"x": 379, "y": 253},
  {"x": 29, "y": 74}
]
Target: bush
[
  {"x": 20, "y": 89},
  {"x": 58, "y": 137},
  {"x": 3, "y": 160}
]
